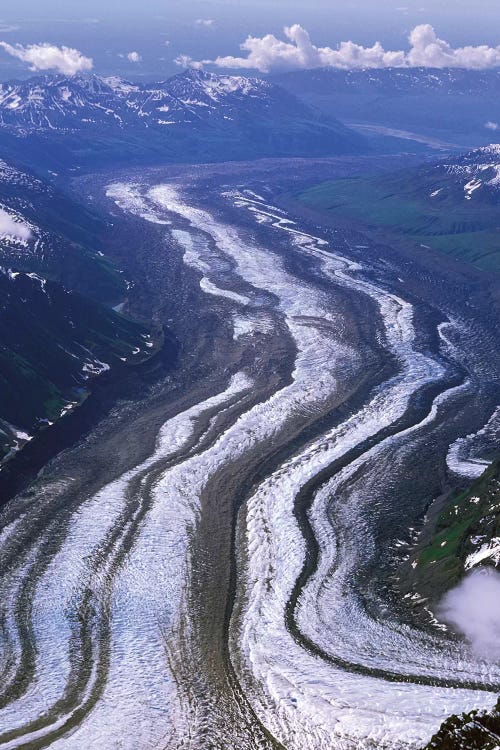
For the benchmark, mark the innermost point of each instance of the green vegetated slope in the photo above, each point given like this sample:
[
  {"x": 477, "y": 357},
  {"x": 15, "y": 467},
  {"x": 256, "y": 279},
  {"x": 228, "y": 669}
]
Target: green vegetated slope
[
  {"x": 463, "y": 532},
  {"x": 427, "y": 206}
]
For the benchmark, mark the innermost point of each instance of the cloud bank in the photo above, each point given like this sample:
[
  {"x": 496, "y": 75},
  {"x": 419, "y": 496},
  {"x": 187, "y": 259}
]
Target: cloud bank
[
  {"x": 65, "y": 60},
  {"x": 473, "y": 608},
  {"x": 297, "y": 52},
  {"x": 11, "y": 228}
]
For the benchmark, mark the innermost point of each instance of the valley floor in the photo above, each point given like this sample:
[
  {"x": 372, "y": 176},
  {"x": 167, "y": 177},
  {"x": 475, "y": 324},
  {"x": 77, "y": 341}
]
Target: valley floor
[{"x": 214, "y": 565}]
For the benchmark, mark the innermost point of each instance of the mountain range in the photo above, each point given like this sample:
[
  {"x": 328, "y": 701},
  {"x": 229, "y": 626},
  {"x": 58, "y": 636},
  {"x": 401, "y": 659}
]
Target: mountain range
[
  {"x": 452, "y": 105},
  {"x": 193, "y": 116}
]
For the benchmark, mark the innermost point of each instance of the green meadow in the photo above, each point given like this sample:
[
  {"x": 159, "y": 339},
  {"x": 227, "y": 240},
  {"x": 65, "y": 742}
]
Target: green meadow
[{"x": 403, "y": 208}]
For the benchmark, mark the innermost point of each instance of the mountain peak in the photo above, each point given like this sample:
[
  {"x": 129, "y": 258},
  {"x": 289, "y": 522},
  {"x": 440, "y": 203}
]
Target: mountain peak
[
  {"x": 222, "y": 81},
  {"x": 195, "y": 74}
]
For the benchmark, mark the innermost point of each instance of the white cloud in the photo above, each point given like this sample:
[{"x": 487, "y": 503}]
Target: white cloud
[
  {"x": 11, "y": 228},
  {"x": 208, "y": 23},
  {"x": 7, "y": 28},
  {"x": 134, "y": 57},
  {"x": 46, "y": 56},
  {"x": 473, "y": 608},
  {"x": 490, "y": 125},
  {"x": 297, "y": 52},
  {"x": 430, "y": 51},
  {"x": 187, "y": 62}
]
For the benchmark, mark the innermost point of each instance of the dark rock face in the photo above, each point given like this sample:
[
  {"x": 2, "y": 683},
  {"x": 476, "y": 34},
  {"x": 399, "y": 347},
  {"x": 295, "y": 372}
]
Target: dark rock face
[{"x": 478, "y": 730}]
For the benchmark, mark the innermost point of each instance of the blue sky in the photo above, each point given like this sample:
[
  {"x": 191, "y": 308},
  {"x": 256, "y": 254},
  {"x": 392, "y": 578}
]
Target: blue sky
[{"x": 107, "y": 30}]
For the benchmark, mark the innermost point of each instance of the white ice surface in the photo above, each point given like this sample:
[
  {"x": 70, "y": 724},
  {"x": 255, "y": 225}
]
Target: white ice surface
[
  {"x": 335, "y": 708},
  {"x": 306, "y": 702},
  {"x": 74, "y": 567}
]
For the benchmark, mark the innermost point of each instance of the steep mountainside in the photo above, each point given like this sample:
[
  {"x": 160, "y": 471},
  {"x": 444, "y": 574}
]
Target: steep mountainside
[
  {"x": 193, "y": 116},
  {"x": 56, "y": 330},
  {"x": 52, "y": 341},
  {"x": 451, "y": 104},
  {"x": 465, "y": 534},
  {"x": 58, "y": 238}
]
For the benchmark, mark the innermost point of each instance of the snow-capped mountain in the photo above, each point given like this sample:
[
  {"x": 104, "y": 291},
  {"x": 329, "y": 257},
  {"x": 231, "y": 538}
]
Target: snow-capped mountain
[
  {"x": 52, "y": 103},
  {"x": 475, "y": 174},
  {"x": 195, "y": 97},
  {"x": 194, "y": 114}
]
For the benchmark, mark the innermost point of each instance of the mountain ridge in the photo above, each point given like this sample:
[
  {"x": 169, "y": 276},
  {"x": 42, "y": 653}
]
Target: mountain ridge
[
  {"x": 451, "y": 104},
  {"x": 193, "y": 115}
]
